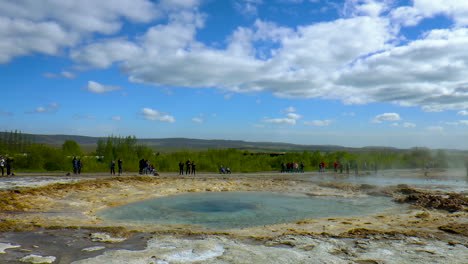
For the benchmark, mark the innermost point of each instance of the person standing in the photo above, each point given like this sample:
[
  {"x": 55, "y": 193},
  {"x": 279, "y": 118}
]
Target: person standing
[
  {"x": 9, "y": 165},
  {"x": 188, "y": 164},
  {"x": 181, "y": 168},
  {"x": 120, "y": 164},
  {"x": 193, "y": 167},
  {"x": 2, "y": 165},
  {"x": 79, "y": 165},
  {"x": 112, "y": 167},
  {"x": 75, "y": 165},
  {"x": 142, "y": 166}
]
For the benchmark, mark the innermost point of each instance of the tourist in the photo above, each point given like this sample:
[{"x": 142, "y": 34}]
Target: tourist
[
  {"x": 193, "y": 167},
  {"x": 302, "y": 167},
  {"x": 181, "y": 168},
  {"x": 2, "y": 165},
  {"x": 221, "y": 170},
  {"x": 9, "y": 165},
  {"x": 79, "y": 166},
  {"x": 296, "y": 167},
  {"x": 228, "y": 170},
  {"x": 283, "y": 167},
  {"x": 141, "y": 166},
  {"x": 147, "y": 167},
  {"x": 112, "y": 167},
  {"x": 75, "y": 165},
  {"x": 188, "y": 165},
  {"x": 120, "y": 165}
]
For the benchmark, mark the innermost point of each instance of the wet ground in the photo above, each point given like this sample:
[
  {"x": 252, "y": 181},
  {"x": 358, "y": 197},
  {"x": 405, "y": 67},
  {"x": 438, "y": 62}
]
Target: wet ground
[{"x": 58, "y": 223}]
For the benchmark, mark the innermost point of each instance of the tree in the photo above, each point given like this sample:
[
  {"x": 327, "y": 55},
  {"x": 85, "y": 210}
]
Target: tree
[{"x": 71, "y": 148}]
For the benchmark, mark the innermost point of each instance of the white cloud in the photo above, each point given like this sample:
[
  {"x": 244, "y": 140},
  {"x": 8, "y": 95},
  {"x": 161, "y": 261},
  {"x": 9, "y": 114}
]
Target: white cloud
[
  {"x": 198, "y": 120},
  {"x": 286, "y": 121},
  {"x": 116, "y": 118},
  {"x": 289, "y": 119},
  {"x": 371, "y": 8},
  {"x": 406, "y": 16},
  {"x": 456, "y": 9},
  {"x": 228, "y": 96},
  {"x": 321, "y": 123},
  {"x": 50, "y": 108},
  {"x": 404, "y": 125},
  {"x": 463, "y": 122},
  {"x": 247, "y": 7},
  {"x": 49, "y": 26},
  {"x": 154, "y": 115},
  {"x": 63, "y": 74},
  {"x": 365, "y": 63},
  {"x": 94, "y": 87},
  {"x": 463, "y": 113},
  {"x": 40, "y": 109},
  {"x": 103, "y": 54},
  {"x": 386, "y": 117},
  {"x": 293, "y": 116}
]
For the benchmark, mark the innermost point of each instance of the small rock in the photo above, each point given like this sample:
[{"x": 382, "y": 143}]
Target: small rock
[{"x": 36, "y": 259}]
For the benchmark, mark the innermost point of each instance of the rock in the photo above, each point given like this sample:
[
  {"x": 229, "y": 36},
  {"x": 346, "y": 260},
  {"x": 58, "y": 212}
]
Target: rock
[{"x": 36, "y": 259}]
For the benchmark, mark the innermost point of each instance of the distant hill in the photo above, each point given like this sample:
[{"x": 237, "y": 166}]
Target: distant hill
[{"x": 165, "y": 145}]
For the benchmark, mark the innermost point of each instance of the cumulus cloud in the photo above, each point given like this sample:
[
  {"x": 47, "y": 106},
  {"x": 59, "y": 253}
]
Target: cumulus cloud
[
  {"x": 457, "y": 10},
  {"x": 94, "y": 87},
  {"x": 154, "y": 115},
  {"x": 463, "y": 113},
  {"x": 365, "y": 7},
  {"x": 48, "y": 26},
  {"x": 103, "y": 54},
  {"x": 386, "y": 117},
  {"x": 357, "y": 59},
  {"x": 320, "y": 123},
  {"x": 289, "y": 119}
]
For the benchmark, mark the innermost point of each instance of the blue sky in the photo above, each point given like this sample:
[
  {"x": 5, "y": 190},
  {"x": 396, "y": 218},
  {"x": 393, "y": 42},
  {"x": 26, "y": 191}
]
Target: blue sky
[{"x": 351, "y": 72}]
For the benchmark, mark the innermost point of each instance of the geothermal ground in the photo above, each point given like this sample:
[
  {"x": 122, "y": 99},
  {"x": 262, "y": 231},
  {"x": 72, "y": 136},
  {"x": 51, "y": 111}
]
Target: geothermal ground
[{"x": 53, "y": 219}]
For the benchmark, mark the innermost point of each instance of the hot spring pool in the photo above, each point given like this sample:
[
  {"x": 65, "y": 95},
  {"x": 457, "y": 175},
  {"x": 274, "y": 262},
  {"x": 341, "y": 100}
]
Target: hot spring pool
[{"x": 241, "y": 209}]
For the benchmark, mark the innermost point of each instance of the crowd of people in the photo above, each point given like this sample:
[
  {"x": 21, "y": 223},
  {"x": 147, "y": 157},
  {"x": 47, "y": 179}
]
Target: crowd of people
[
  {"x": 145, "y": 168},
  {"x": 292, "y": 167},
  {"x": 190, "y": 167}
]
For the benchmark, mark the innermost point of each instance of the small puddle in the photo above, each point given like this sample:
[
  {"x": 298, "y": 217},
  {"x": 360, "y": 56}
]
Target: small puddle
[{"x": 226, "y": 210}]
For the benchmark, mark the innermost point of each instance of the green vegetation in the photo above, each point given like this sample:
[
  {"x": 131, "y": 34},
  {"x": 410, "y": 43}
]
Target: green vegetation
[{"x": 40, "y": 158}]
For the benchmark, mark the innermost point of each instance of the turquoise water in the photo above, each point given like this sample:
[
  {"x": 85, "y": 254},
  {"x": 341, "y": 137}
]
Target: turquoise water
[{"x": 241, "y": 209}]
